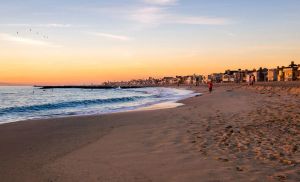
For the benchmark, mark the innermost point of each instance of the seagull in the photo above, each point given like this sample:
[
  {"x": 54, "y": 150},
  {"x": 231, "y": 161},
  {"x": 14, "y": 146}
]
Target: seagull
[
  {"x": 17, "y": 33},
  {"x": 30, "y": 29}
]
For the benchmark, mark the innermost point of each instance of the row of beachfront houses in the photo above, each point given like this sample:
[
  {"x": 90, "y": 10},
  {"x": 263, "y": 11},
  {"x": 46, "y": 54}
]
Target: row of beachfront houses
[
  {"x": 289, "y": 73},
  {"x": 178, "y": 80}
]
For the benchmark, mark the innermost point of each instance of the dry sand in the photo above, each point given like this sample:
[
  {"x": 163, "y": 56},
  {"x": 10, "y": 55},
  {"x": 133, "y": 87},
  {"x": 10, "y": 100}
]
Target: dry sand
[{"x": 237, "y": 133}]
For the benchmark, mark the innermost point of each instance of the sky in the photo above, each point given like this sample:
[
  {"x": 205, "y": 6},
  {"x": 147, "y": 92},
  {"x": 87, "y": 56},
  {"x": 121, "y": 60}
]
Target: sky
[{"x": 92, "y": 41}]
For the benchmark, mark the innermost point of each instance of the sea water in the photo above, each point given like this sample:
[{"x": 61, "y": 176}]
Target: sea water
[{"x": 24, "y": 102}]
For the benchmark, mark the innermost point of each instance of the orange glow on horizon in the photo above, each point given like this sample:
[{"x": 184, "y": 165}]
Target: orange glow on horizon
[
  {"x": 74, "y": 71},
  {"x": 97, "y": 41}
]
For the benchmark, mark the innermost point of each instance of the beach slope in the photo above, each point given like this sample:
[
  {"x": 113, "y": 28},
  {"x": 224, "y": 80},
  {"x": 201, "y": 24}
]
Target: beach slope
[{"x": 233, "y": 134}]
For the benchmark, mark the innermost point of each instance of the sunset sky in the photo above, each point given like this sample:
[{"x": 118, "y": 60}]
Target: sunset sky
[{"x": 91, "y": 41}]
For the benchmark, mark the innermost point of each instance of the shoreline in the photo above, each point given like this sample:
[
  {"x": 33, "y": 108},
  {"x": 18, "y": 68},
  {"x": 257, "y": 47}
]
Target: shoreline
[
  {"x": 155, "y": 106},
  {"x": 150, "y": 106},
  {"x": 233, "y": 133}
]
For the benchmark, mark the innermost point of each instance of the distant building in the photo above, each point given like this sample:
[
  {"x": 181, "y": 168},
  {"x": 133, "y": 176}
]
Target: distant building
[
  {"x": 272, "y": 75},
  {"x": 291, "y": 72},
  {"x": 189, "y": 80},
  {"x": 216, "y": 77},
  {"x": 247, "y": 75},
  {"x": 186, "y": 80},
  {"x": 261, "y": 75},
  {"x": 238, "y": 76},
  {"x": 229, "y": 76},
  {"x": 207, "y": 78},
  {"x": 167, "y": 80},
  {"x": 298, "y": 74},
  {"x": 280, "y": 74},
  {"x": 198, "y": 79},
  {"x": 288, "y": 74}
]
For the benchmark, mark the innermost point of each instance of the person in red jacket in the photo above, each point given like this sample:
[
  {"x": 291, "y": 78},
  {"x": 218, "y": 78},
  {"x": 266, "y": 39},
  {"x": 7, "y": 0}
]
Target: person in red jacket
[{"x": 210, "y": 86}]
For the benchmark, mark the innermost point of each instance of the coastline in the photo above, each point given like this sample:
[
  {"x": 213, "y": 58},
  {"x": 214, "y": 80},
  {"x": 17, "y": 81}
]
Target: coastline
[
  {"x": 168, "y": 102},
  {"x": 206, "y": 139}
]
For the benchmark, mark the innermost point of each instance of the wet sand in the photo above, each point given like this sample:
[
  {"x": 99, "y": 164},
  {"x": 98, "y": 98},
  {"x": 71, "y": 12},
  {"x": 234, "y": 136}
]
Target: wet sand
[{"x": 237, "y": 133}]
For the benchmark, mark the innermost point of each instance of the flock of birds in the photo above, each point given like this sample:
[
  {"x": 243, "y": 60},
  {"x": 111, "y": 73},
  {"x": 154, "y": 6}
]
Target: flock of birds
[{"x": 37, "y": 33}]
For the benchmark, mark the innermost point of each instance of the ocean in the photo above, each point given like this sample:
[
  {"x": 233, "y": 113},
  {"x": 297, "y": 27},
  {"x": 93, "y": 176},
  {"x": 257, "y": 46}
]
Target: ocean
[{"x": 19, "y": 103}]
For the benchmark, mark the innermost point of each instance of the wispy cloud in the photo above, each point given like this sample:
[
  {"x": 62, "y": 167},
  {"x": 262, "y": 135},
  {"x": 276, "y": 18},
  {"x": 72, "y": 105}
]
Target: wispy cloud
[
  {"x": 48, "y": 25},
  {"x": 55, "y": 25},
  {"x": 26, "y": 41},
  {"x": 111, "y": 36},
  {"x": 149, "y": 15},
  {"x": 161, "y": 2},
  {"x": 156, "y": 12},
  {"x": 160, "y": 15},
  {"x": 274, "y": 47},
  {"x": 199, "y": 20}
]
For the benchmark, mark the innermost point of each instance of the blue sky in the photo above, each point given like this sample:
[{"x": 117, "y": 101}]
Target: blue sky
[
  {"x": 263, "y": 18},
  {"x": 144, "y": 34}
]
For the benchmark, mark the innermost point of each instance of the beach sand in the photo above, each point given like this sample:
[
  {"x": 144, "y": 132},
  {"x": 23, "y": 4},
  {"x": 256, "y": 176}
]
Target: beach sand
[{"x": 237, "y": 133}]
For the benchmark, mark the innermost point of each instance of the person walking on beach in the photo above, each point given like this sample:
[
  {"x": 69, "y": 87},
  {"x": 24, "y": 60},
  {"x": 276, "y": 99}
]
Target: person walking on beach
[
  {"x": 250, "y": 80},
  {"x": 210, "y": 86}
]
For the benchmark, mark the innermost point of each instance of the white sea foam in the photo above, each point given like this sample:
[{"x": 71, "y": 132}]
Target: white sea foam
[{"x": 23, "y": 103}]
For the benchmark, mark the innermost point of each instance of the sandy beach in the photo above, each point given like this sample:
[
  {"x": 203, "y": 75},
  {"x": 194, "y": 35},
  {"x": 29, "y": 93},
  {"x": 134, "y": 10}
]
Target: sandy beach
[{"x": 237, "y": 133}]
